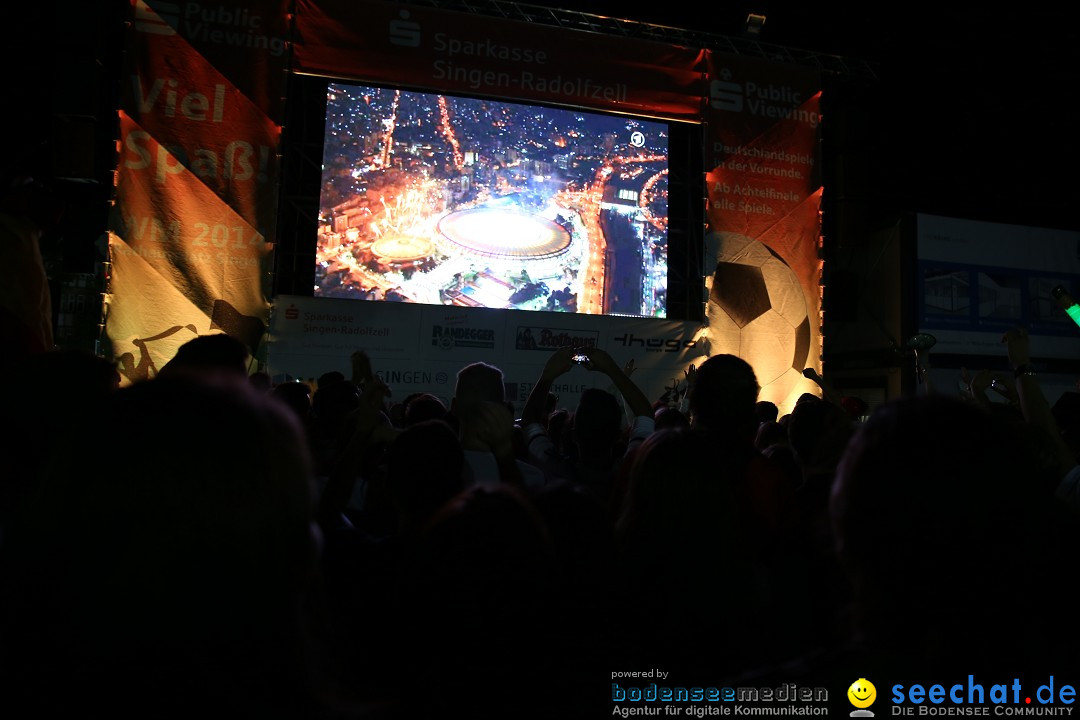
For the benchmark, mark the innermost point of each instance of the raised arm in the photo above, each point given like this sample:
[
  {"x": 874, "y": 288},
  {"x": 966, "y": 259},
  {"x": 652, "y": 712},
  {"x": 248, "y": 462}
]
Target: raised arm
[
  {"x": 369, "y": 428},
  {"x": 977, "y": 385},
  {"x": 1033, "y": 402},
  {"x": 558, "y": 363},
  {"x": 600, "y": 361},
  {"x": 828, "y": 391}
]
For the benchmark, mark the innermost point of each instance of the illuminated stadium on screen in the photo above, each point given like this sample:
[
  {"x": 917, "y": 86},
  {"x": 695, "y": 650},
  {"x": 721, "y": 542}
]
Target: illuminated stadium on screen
[{"x": 445, "y": 200}]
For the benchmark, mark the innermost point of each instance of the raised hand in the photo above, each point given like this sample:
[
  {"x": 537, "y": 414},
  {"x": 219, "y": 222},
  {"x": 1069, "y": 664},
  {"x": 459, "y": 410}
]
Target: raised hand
[
  {"x": 560, "y": 362},
  {"x": 979, "y": 382},
  {"x": 1004, "y": 387},
  {"x": 600, "y": 361},
  {"x": 1019, "y": 346},
  {"x": 492, "y": 426},
  {"x": 362, "y": 373}
]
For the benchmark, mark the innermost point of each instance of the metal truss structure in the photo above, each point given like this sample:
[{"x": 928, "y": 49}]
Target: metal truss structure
[{"x": 835, "y": 66}]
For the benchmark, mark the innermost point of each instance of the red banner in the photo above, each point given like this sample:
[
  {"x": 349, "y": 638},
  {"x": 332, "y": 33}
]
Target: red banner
[
  {"x": 209, "y": 115},
  {"x": 422, "y": 47},
  {"x": 244, "y": 40},
  {"x": 764, "y": 127},
  {"x": 197, "y": 178}
]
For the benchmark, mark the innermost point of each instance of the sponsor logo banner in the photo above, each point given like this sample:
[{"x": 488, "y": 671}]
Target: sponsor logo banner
[
  {"x": 471, "y": 53},
  {"x": 532, "y": 337}
]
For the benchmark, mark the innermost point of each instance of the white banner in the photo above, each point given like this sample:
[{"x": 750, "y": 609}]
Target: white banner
[{"x": 421, "y": 348}]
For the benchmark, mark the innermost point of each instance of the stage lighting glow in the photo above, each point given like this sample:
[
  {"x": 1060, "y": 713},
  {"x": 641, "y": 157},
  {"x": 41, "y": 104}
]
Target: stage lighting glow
[{"x": 757, "y": 311}]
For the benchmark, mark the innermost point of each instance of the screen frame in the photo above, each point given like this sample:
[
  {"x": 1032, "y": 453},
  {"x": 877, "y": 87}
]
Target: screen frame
[{"x": 299, "y": 199}]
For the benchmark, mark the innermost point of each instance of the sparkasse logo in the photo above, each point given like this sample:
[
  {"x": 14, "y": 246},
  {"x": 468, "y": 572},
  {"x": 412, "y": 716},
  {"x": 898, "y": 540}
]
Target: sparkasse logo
[{"x": 404, "y": 32}]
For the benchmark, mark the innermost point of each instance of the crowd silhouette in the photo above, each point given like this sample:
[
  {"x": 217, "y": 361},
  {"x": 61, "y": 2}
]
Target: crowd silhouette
[{"x": 206, "y": 539}]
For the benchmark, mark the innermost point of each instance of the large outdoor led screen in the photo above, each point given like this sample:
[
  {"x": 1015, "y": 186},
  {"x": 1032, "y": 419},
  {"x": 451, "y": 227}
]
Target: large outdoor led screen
[{"x": 445, "y": 200}]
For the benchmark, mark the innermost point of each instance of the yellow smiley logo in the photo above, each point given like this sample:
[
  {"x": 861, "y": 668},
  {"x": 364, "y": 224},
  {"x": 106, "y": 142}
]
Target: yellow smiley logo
[{"x": 862, "y": 693}]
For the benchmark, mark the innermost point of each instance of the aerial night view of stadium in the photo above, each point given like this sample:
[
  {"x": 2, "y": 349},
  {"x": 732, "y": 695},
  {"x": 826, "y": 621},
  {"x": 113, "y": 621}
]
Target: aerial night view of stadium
[{"x": 446, "y": 200}]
